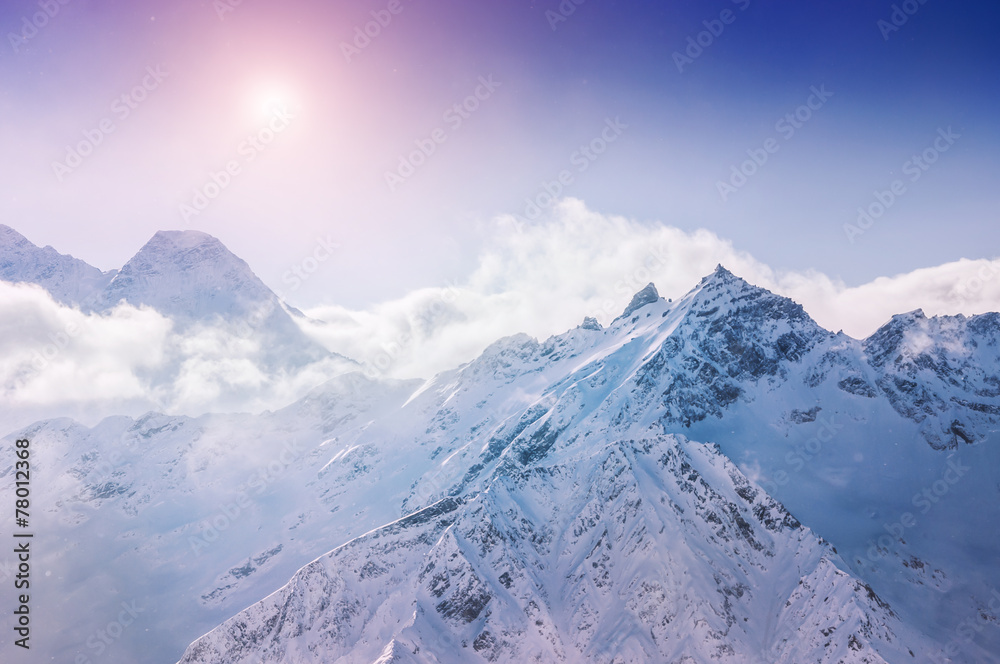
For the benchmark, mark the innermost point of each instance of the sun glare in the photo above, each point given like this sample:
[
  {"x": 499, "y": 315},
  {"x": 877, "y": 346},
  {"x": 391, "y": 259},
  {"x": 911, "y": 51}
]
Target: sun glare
[{"x": 266, "y": 101}]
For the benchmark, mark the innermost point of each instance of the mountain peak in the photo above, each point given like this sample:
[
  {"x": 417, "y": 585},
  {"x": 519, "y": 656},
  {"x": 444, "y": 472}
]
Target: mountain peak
[
  {"x": 69, "y": 280},
  {"x": 722, "y": 277},
  {"x": 182, "y": 239},
  {"x": 191, "y": 274},
  {"x": 647, "y": 295}
]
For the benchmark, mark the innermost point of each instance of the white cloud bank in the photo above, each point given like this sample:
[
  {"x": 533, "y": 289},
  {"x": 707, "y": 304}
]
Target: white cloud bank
[{"x": 541, "y": 279}]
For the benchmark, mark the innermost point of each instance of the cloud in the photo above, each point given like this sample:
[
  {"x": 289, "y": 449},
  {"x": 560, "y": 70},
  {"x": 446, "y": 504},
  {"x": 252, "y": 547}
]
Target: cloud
[
  {"x": 543, "y": 278},
  {"x": 52, "y": 353},
  {"x": 539, "y": 278},
  {"x": 58, "y": 361}
]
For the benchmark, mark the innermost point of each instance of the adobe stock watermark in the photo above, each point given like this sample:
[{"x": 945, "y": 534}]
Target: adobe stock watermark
[
  {"x": 786, "y": 127},
  {"x": 121, "y": 108},
  {"x": 31, "y": 27},
  {"x": 656, "y": 259},
  {"x": 391, "y": 351},
  {"x": 454, "y": 117},
  {"x": 581, "y": 160},
  {"x": 229, "y": 513},
  {"x": 300, "y": 272},
  {"x": 101, "y": 640},
  {"x": 967, "y": 630},
  {"x": 364, "y": 35},
  {"x": 901, "y": 13},
  {"x": 249, "y": 149},
  {"x": 565, "y": 9},
  {"x": 968, "y": 289},
  {"x": 915, "y": 168},
  {"x": 56, "y": 343},
  {"x": 797, "y": 459},
  {"x": 696, "y": 44},
  {"x": 925, "y": 500},
  {"x": 294, "y": 276},
  {"x": 223, "y": 7}
]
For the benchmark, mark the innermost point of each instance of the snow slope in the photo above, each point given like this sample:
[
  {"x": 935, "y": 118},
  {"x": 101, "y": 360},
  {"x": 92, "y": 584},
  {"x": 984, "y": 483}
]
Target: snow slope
[
  {"x": 426, "y": 495},
  {"x": 195, "y": 280},
  {"x": 69, "y": 280},
  {"x": 628, "y": 551}
]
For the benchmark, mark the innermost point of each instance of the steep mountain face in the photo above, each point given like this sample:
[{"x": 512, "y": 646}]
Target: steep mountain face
[
  {"x": 189, "y": 275},
  {"x": 728, "y": 362},
  {"x": 69, "y": 280},
  {"x": 628, "y": 551},
  {"x": 942, "y": 372},
  {"x": 546, "y": 501},
  {"x": 195, "y": 280}
]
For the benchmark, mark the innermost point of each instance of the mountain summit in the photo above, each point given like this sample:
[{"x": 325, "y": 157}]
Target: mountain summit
[
  {"x": 647, "y": 295},
  {"x": 69, "y": 280},
  {"x": 190, "y": 275}
]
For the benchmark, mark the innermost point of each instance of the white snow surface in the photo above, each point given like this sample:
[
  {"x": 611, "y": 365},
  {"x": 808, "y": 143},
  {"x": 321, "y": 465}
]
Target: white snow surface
[
  {"x": 550, "y": 501},
  {"x": 69, "y": 280}
]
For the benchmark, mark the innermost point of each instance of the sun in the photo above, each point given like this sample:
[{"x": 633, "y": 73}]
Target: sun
[{"x": 265, "y": 101}]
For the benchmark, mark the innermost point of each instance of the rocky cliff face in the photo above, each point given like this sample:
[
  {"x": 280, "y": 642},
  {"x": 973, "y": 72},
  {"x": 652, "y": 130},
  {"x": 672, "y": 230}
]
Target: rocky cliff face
[{"x": 629, "y": 551}]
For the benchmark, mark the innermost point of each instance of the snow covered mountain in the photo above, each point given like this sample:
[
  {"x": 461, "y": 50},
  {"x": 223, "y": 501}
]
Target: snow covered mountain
[
  {"x": 69, "y": 280},
  {"x": 656, "y": 549},
  {"x": 548, "y": 501},
  {"x": 195, "y": 280},
  {"x": 188, "y": 275},
  {"x": 221, "y": 339}
]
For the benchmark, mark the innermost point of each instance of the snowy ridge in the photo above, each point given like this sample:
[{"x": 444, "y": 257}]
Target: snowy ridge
[
  {"x": 649, "y": 550},
  {"x": 188, "y": 275},
  {"x": 727, "y": 356},
  {"x": 542, "y": 445},
  {"x": 69, "y": 280}
]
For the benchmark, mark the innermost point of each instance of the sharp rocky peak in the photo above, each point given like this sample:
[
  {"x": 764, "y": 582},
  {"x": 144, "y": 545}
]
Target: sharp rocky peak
[
  {"x": 647, "y": 295},
  {"x": 723, "y": 279},
  {"x": 722, "y": 293}
]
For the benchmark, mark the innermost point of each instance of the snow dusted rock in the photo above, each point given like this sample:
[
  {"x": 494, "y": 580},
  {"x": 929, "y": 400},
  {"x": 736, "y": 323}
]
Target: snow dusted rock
[
  {"x": 189, "y": 275},
  {"x": 647, "y": 295},
  {"x": 69, "y": 280},
  {"x": 209, "y": 292},
  {"x": 633, "y": 551},
  {"x": 941, "y": 372},
  {"x": 546, "y": 501}
]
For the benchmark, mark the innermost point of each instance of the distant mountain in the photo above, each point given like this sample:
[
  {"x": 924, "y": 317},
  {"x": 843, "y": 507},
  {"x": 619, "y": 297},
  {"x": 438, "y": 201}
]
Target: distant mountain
[
  {"x": 547, "y": 502},
  {"x": 69, "y": 280},
  {"x": 195, "y": 280},
  {"x": 188, "y": 276},
  {"x": 630, "y": 551}
]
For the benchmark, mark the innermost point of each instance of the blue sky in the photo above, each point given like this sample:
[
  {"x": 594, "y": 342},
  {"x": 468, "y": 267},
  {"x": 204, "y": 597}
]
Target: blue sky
[{"x": 556, "y": 85}]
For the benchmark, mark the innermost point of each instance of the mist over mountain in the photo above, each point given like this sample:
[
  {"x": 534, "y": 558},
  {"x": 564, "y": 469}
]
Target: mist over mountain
[
  {"x": 183, "y": 326},
  {"x": 711, "y": 478}
]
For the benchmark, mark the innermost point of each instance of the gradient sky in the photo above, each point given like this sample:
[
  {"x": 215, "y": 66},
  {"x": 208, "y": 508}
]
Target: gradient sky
[{"x": 324, "y": 175}]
